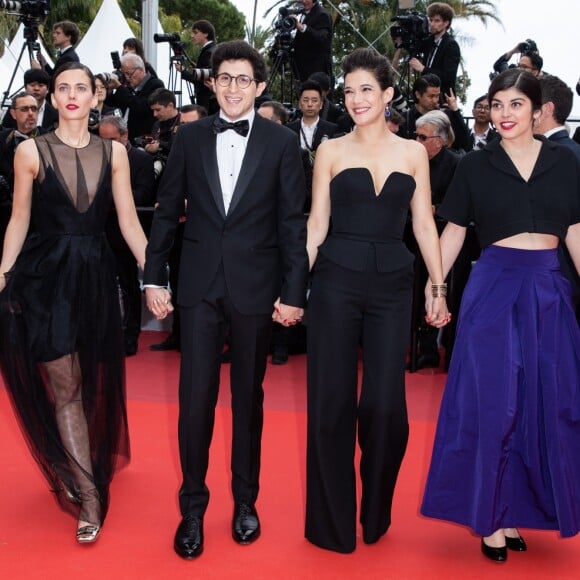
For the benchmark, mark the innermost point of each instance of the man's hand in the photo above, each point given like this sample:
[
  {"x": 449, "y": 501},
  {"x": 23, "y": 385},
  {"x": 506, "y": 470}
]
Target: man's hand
[
  {"x": 451, "y": 100},
  {"x": 152, "y": 147},
  {"x": 300, "y": 26},
  {"x": 159, "y": 302},
  {"x": 286, "y": 315},
  {"x": 416, "y": 65}
]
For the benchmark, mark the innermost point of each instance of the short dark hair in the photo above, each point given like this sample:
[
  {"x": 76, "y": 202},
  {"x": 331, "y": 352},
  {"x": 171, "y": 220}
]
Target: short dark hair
[
  {"x": 441, "y": 9},
  {"x": 426, "y": 81},
  {"x": 309, "y": 85},
  {"x": 20, "y": 95},
  {"x": 396, "y": 117},
  {"x": 322, "y": 79},
  {"x": 555, "y": 90},
  {"x": 522, "y": 80},
  {"x": 536, "y": 60},
  {"x": 371, "y": 61},
  {"x": 163, "y": 97},
  {"x": 36, "y": 75},
  {"x": 479, "y": 99},
  {"x": 136, "y": 45},
  {"x": 279, "y": 111},
  {"x": 201, "y": 110},
  {"x": 239, "y": 50},
  {"x": 73, "y": 65},
  {"x": 206, "y": 27},
  {"x": 69, "y": 29}
]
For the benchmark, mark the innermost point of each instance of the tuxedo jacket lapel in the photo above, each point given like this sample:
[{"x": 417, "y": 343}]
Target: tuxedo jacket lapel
[
  {"x": 209, "y": 160},
  {"x": 254, "y": 154}
]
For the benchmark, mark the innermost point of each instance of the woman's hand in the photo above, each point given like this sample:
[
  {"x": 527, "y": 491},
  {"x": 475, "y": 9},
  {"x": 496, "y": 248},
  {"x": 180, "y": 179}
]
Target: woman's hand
[
  {"x": 159, "y": 302},
  {"x": 437, "y": 313}
]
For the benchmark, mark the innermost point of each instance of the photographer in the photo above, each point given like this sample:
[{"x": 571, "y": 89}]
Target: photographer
[
  {"x": 203, "y": 35},
  {"x": 65, "y": 36},
  {"x": 313, "y": 41},
  {"x": 167, "y": 120},
  {"x": 134, "y": 97},
  {"x": 441, "y": 54},
  {"x": 135, "y": 46},
  {"x": 529, "y": 60}
]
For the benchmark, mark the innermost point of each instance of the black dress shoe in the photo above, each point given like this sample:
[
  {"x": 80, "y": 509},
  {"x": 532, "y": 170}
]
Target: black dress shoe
[
  {"x": 246, "y": 525},
  {"x": 516, "y": 544},
  {"x": 425, "y": 361},
  {"x": 280, "y": 355},
  {"x": 170, "y": 343},
  {"x": 188, "y": 541},
  {"x": 495, "y": 554},
  {"x": 130, "y": 346}
]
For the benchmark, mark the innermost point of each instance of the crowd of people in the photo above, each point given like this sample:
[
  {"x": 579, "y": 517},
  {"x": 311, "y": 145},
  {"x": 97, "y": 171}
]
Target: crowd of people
[{"x": 264, "y": 219}]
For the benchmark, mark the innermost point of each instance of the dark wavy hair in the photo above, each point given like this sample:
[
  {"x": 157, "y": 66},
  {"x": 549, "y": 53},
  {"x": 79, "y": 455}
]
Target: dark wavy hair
[
  {"x": 73, "y": 66},
  {"x": 522, "y": 80},
  {"x": 239, "y": 50},
  {"x": 371, "y": 61}
]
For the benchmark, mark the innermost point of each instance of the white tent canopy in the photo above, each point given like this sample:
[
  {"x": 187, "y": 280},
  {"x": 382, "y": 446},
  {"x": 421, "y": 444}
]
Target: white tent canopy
[
  {"x": 106, "y": 34},
  {"x": 10, "y": 64}
]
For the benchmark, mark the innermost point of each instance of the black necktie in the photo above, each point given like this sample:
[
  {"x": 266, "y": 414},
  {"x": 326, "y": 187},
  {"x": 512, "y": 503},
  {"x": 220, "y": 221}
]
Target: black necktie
[{"x": 241, "y": 127}]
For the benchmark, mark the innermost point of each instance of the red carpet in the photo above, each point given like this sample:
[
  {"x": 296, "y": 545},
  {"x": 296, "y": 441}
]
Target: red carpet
[{"x": 37, "y": 539}]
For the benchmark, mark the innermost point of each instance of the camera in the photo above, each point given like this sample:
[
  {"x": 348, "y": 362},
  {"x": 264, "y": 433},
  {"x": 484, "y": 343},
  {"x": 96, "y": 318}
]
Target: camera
[
  {"x": 142, "y": 141},
  {"x": 201, "y": 74},
  {"x": 168, "y": 37},
  {"x": 94, "y": 117},
  {"x": 528, "y": 45},
  {"x": 411, "y": 31},
  {"x": 285, "y": 22},
  {"x": 37, "y": 9}
]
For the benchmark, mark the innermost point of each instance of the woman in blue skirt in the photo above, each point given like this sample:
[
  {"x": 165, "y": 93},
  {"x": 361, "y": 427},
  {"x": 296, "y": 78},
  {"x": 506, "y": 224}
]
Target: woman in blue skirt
[{"x": 506, "y": 448}]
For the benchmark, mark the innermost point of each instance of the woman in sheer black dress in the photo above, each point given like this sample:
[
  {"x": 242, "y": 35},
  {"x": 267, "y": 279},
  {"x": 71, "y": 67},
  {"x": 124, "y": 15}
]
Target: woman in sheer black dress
[{"x": 61, "y": 349}]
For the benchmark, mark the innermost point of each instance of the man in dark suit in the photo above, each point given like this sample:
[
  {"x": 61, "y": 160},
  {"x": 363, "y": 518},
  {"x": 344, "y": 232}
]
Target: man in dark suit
[
  {"x": 312, "y": 44},
  {"x": 24, "y": 112},
  {"x": 143, "y": 190},
  {"x": 482, "y": 132},
  {"x": 36, "y": 82},
  {"x": 557, "y": 100},
  {"x": 311, "y": 129},
  {"x": 202, "y": 34},
  {"x": 441, "y": 54},
  {"x": 135, "y": 96},
  {"x": 244, "y": 256},
  {"x": 65, "y": 36}
]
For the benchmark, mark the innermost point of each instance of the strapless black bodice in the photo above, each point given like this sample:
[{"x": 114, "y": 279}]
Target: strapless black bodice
[{"x": 363, "y": 219}]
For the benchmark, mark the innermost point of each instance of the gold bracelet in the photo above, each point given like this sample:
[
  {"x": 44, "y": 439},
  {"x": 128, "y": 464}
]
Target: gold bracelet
[{"x": 438, "y": 290}]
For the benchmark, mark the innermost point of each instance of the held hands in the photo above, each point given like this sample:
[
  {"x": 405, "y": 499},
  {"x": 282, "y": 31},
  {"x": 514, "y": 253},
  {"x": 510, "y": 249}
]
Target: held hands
[
  {"x": 286, "y": 315},
  {"x": 159, "y": 302},
  {"x": 436, "y": 306}
]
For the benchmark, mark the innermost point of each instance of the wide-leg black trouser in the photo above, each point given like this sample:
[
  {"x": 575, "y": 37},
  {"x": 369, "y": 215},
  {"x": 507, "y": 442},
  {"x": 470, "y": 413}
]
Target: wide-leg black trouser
[{"x": 348, "y": 309}]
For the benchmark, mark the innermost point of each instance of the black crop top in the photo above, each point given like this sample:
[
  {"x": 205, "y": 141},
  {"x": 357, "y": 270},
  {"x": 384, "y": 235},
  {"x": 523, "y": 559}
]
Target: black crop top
[{"x": 488, "y": 190}]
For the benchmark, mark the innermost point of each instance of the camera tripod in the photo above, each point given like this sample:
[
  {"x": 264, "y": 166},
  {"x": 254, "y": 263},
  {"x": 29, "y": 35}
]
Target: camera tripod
[
  {"x": 282, "y": 67},
  {"x": 174, "y": 84},
  {"x": 30, "y": 33}
]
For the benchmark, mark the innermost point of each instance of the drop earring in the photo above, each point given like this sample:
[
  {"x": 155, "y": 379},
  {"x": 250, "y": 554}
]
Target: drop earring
[{"x": 387, "y": 111}]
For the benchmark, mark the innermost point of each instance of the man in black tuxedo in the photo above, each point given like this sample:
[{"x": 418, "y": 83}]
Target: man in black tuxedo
[
  {"x": 135, "y": 96},
  {"x": 441, "y": 54},
  {"x": 202, "y": 34},
  {"x": 65, "y": 36},
  {"x": 36, "y": 82},
  {"x": 243, "y": 264},
  {"x": 312, "y": 44}
]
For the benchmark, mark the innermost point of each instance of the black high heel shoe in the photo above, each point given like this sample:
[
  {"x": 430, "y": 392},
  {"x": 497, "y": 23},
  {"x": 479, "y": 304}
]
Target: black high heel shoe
[
  {"x": 516, "y": 544},
  {"x": 495, "y": 554}
]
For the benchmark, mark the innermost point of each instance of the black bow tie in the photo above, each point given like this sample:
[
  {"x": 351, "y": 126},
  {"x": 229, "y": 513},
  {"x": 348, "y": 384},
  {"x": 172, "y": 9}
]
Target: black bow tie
[{"x": 241, "y": 127}]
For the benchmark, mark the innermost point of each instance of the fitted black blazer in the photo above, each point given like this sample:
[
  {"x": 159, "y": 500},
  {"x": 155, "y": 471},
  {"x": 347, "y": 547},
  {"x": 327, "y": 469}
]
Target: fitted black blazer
[
  {"x": 323, "y": 129},
  {"x": 563, "y": 138},
  {"x": 445, "y": 62},
  {"x": 313, "y": 48},
  {"x": 68, "y": 55},
  {"x": 261, "y": 242}
]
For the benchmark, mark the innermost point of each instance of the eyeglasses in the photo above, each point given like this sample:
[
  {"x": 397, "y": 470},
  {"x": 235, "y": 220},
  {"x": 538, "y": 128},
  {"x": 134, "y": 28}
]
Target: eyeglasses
[
  {"x": 27, "y": 108},
  {"x": 129, "y": 73},
  {"x": 242, "y": 81},
  {"x": 424, "y": 138},
  {"x": 481, "y": 108}
]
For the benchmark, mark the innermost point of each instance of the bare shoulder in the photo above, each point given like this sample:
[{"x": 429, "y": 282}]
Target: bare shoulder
[
  {"x": 119, "y": 152},
  {"x": 26, "y": 156}
]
